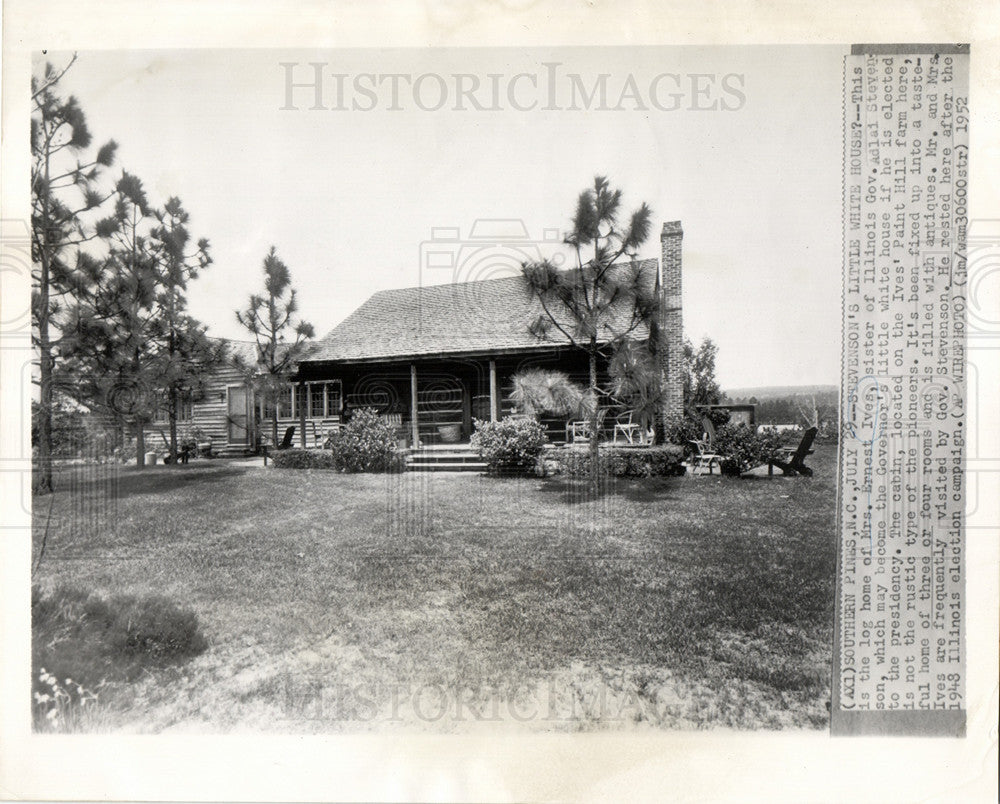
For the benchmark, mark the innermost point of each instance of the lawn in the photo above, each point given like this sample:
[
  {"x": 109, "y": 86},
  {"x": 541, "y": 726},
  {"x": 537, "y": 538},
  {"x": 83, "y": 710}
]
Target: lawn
[{"x": 448, "y": 602}]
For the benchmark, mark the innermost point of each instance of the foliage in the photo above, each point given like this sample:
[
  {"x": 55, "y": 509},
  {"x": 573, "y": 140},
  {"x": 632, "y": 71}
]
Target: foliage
[
  {"x": 717, "y": 416},
  {"x": 63, "y": 187},
  {"x": 367, "y": 443},
  {"x": 272, "y": 318},
  {"x": 81, "y": 640},
  {"x": 109, "y": 339},
  {"x": 58, "y": 705},
  {"x": 68, "y": 431},
  {"x": 188, "y": 355},
  {"x": 744, "y": 447},
  {"x": 656, "y": 461},
  {"x": 129, "y": 341},
  {"x": 598, "y": 304},
  {"x": 806, "y": 409},
  {"x": 683, "y": 431},
  {"x": 511, "y": 443},
  {"x": 296, "y": 458},
  {"x": 538, "y": 391},
  {"x": 155, "y": 626},
  {"x": 700, "y": 385},
  {"x": 691, "y": 427},
  {"x": 635, "y": 382}
]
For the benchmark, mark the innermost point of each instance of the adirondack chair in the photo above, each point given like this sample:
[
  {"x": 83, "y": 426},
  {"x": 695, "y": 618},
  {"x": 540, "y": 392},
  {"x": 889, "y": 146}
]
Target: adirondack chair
[
  {"x": 286, "y": 442},
  {"x": 793, "y": 461}
]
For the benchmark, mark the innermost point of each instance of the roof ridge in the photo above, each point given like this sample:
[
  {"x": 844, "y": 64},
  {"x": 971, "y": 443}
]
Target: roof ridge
[
  {"x": 444, "y": 285},
  {"x": 491, "y": 279}
]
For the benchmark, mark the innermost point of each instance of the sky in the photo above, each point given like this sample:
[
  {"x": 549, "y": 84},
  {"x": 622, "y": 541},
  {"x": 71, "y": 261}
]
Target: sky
[{"x": 413, "y": 146}]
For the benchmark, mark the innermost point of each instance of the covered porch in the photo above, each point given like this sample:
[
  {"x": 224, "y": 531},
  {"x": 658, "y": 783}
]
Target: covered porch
[{"x": 431, "y": 400}]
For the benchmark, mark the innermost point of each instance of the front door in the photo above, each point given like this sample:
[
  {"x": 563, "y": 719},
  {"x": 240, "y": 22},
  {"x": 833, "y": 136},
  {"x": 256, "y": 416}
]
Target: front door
[{"x": 237, "y": 415}]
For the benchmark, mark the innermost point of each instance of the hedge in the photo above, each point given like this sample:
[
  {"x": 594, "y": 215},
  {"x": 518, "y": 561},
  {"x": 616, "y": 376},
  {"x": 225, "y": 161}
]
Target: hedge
[
  {"x": 304, "y": 459},
  {"x": 658, "y": 461}
]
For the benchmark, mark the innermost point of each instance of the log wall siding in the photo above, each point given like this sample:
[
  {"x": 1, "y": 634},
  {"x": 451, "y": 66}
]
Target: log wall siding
[{"x": 210, "y": 415}]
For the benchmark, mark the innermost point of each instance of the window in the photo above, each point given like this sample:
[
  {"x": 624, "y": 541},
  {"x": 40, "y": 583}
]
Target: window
[
  {"x": 324, "y": 399},
  {"x": 286, "y": 404},
  {"x": 184, "y": 410},
  {"x": 317, "y": 399}
]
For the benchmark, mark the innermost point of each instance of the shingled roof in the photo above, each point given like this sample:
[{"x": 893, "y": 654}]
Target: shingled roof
[{"x": 460, "y": 318}]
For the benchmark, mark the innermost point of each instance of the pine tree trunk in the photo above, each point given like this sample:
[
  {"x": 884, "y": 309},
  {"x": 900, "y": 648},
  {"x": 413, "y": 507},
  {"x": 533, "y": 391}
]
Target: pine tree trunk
[
  {"x": 140, "y": 444},
  {"x": 594, "y": 445},
  {"x": 43, "y": 483},
  {"x": 172, "y": 419}
]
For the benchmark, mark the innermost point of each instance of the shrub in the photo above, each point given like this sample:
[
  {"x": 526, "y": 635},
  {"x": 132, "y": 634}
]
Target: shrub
[
  {"x": 511, "y": 443},
  {"x": 82, "y": 641},
  {"x": 658, "y": 461},
  {"x": 691, "y": 428},
  {"x": 682, "y": 432},
  {"x": 743, "y": 447},
  {"x": 155, "y": 626},
  {"x": 829, "y": 432},
  {"x": 304, "y": 459},
  {"x": 366, "y": 444}
]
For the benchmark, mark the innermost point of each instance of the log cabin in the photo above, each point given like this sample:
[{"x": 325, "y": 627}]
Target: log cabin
[{"x": 433, "y": 359}]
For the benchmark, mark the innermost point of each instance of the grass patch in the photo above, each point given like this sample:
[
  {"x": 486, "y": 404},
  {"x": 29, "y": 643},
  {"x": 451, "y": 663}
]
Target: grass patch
[
  {"x": 82, "y": 643},
  {"x": 693, "y": 602}
]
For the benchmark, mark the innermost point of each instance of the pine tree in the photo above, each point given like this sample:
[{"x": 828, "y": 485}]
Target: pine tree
[
  {"x": 63, "y": 188},
  {"x": 187, "y": 353},
  {"x": 600, "y": 302},
  {"x": 111, "y": 334},
  {"x": 279, "y": 333}
]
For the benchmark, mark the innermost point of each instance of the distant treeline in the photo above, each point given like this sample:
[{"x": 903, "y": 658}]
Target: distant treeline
[{"x": 803, "y": 409}]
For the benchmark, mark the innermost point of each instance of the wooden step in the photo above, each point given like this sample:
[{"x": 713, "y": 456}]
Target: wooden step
[
  {"x": 446, "y": 467},
  {"x": 454, "y": 459},
  {"x": 448, "y": 457}
]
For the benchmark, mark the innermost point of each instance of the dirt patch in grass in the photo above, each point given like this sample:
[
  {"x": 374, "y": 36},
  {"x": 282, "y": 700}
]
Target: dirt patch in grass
[{"x": 356, "y": 602}]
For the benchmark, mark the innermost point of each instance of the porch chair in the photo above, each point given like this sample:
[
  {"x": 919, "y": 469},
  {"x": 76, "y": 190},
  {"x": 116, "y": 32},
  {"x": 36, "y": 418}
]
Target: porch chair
[
  {"x": 704, "y": 449},
  {"x": 580, "y": 428},
  {"x": 793, "y": 461},
  {"x": 628, "y": 426},
  {"x": 286, "y": 441}
]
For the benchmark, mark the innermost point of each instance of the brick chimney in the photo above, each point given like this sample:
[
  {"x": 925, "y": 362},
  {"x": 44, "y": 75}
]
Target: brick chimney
[{"x": 671, "y": 324}]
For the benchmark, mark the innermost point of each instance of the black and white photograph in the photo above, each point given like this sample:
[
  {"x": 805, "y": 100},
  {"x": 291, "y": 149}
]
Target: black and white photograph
[
  {"x": 453, "y": 410},
  {"x": 498, "y": 393}
]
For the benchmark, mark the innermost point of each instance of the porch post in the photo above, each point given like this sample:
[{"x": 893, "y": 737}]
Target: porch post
[
  {"x": 493, "y": 391},
  {"x": 414, "y": 424},
  {"x": 302, "y": 413}
]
